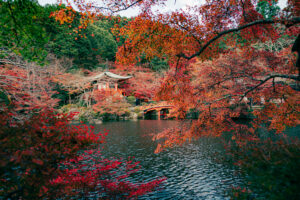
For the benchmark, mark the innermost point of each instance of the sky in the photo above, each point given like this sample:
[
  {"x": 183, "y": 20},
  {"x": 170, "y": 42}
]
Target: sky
[{"x": 171, "y": 5}]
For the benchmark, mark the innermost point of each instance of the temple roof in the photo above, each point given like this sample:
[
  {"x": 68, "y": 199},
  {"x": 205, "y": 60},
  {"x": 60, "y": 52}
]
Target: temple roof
[{"x": 110, "y": 75}]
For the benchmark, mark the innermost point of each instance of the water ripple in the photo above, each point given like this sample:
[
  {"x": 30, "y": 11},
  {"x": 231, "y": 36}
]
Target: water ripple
[{"x": 191, "y": 170}]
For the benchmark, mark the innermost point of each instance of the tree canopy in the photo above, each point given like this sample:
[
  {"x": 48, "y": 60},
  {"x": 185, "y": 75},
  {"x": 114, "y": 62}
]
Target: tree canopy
[{"x": 211, "y": 31}]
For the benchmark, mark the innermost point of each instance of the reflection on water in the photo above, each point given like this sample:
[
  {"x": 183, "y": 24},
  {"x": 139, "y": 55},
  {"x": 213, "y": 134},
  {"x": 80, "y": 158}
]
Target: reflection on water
[{"x": 191, "y": 170}]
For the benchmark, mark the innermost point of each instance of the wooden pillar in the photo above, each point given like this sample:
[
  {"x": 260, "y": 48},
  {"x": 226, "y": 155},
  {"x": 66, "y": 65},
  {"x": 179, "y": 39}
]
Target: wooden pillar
[
  {"x": 158, "y": 114},
  {"x": 116, "y": 86}
]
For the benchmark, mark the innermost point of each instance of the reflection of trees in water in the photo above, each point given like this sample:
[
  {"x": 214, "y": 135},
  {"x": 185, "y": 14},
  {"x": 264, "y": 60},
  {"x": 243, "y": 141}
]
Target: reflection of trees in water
[
  {"x": 151, "y": 115},
  {"x": 157, "y": 114}
]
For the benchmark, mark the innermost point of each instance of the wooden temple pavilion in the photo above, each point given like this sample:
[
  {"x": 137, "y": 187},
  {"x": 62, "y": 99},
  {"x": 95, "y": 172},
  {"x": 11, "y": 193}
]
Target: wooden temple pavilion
[{"x": 107, "y": 80}]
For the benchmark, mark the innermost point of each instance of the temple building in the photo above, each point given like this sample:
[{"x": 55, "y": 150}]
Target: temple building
[{"x": 107, "y": 81}]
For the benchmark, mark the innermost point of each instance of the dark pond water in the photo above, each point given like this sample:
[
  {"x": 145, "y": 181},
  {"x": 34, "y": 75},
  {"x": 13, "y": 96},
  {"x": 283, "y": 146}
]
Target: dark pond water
[{"x": 191, "y": 170}]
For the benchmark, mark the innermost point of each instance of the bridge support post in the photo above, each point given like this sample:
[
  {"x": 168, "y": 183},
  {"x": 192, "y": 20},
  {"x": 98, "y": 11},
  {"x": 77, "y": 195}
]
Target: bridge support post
[{"x": 158, "y": 114}]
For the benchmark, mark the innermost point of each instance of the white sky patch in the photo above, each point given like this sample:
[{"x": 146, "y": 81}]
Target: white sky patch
[{"x": 171, "y": 5}]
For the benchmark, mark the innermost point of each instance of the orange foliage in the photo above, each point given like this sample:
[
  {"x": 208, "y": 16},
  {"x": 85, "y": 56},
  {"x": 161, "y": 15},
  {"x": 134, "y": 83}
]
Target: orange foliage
[
  {"x": 151, "y": 37},
  {"x": 110, "y": 101},
  {"x": 143, "y": 85},
  {"x": 218, "y": 89},
  {"x": 221, "y": 90}
]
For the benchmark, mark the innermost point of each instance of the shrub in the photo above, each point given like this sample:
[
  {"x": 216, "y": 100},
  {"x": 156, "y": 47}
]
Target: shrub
[
  {"x": 40, "y": 160},
  {"x": 131, "y": 99},
  {"x": 31, "y": 151}
]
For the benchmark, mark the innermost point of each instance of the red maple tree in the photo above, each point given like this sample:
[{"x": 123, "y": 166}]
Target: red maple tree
[{"x": 43, "y": 155}]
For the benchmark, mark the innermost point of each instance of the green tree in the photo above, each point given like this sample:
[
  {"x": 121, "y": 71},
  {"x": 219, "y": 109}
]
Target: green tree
[
  {"x": 268, "y": 9},
  {"x": 94, "y": 44},
  {"x": 22, "y": 28},
  {"x": 62, "y": 41},
  {"x": 159, "y": 64},
  {"x": 103, "y": 40}
]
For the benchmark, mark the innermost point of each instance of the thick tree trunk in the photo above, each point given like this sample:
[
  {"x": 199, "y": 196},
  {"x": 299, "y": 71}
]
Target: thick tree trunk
[{"x": 296, "y": 48}]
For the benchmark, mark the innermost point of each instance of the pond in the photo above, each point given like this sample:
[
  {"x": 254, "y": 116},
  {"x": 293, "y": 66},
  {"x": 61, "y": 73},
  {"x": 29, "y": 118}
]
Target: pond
[{"x": 191, "y": 170}]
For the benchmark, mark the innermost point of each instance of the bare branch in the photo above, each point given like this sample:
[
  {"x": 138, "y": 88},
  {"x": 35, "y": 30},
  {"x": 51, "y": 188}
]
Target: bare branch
[
  {"x": 11, "y": 77},
  {"x": 125, "y": 7},
  {"x": 9, "y": 62},
  {"x": 225, "y": 97}
]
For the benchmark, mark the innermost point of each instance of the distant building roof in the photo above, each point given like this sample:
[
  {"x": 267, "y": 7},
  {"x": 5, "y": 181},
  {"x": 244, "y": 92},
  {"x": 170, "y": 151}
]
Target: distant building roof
[{"x": 110, "y": 75}]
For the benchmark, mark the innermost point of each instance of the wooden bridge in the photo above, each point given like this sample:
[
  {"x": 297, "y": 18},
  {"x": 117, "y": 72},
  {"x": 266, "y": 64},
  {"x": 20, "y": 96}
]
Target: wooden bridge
[{"x": 162, "y": 109}]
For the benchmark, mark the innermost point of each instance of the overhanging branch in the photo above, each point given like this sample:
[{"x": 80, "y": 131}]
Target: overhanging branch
[
  {"x": 290, "y": 22},
  {"x": 293, "y": 77},
  {"x": 242, "y": 96}
]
